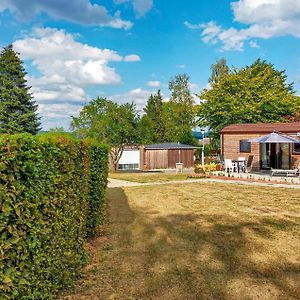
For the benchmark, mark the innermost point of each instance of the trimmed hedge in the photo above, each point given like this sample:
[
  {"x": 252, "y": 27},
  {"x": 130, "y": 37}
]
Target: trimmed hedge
[{"x": 51, "y": 198}]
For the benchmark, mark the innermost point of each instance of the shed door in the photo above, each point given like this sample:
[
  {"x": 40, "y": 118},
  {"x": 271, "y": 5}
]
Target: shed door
[
  {"x": 156, "y": 159},
  {"x": 186, "y": 156},
  {"x": 130, "y": 159},
  {"x": 173, "y": 158}
]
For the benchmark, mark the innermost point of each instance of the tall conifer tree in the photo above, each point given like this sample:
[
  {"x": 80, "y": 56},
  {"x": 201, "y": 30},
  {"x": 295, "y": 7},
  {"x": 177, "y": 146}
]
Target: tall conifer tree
[
  {"x": 180, "y": 110},
  {"x": 18, "y": 110},
  {"x": 154, "y": 112}
]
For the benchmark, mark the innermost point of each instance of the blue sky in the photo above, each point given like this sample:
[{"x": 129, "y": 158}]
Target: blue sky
[{"x": 126, "y": 49}]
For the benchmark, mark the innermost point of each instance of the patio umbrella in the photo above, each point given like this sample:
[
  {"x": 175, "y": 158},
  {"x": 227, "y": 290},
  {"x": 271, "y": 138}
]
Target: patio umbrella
[{"x": 274, "y": 137}]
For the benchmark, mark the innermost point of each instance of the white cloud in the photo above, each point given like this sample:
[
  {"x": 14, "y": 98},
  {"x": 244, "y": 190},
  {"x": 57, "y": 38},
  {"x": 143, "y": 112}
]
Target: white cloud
[
  {"x": 194, "y": 87},
  {"x": 132, "y": 58},
  {"x": 59, "y": 110},
  {"x": 192, "y": 26},
  {"x": 58, "y": 114},
  {"x": 67, "y": 67},
  {"x": 253, "y": 44},
  {"x": 141, "y": 7},
  {"x": 138, "y": 96},
  {"x": 57, "y": 43},
  {"x": 210, "y": 32},
  {"x": 77, "y": 11},
  {"x": 57, "y": 92},
  {"x": 261, "y": 11},
  {"x": 61, "y": 59},
  {"x": 263, "y": 19},
  {"x": 154, "y": 83},
  {"x": 180, "y": 66}
]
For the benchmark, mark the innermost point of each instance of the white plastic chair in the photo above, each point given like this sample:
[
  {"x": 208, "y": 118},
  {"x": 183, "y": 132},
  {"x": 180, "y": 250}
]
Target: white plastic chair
[
  {"x": 242, "y": 164},
  {"x": 229, "y": 167}
]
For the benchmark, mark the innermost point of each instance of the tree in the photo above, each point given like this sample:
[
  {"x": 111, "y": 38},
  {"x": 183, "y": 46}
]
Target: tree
[
  {"x": 108, "y": 122},
  {"x": 18, "y": 111},
  {"x": 180, "y": 110},
  {"x": 179, "y": 87},
  {"x": 295, "y": 118},
  {"x": 155, "y": 117},
  {"x": 170, "y": 121},
  {"x": 218, "y": 70},
  {"x": 256, "y": 93},
  {"x": 146, "y": 132}
]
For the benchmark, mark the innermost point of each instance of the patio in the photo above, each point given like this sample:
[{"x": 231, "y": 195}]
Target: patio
[{"x": 261, "y": 176}]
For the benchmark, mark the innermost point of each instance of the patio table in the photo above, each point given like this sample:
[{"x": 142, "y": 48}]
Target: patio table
[{"x": 239, "y": 164}]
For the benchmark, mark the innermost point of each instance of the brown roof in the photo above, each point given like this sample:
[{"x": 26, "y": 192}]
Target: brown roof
[{"x": 292, "y": 127}]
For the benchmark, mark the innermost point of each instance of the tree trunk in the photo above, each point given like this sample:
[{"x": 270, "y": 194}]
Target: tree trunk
[{"x": 116, "y": 154}]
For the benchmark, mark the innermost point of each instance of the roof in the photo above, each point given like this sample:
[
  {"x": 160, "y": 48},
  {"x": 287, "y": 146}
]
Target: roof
[
  {"x": 292, "y": 127},
  {"x": 168, "y": 146}
]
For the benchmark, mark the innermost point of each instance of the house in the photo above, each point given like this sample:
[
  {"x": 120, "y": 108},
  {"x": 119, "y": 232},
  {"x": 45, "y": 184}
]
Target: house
[
  {"x": 157, "y": 156},
  {"x": 234, "y": 143}
]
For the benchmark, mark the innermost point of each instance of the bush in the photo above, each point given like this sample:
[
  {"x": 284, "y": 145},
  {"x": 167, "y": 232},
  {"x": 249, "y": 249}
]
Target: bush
[
  {"x": 98, "y": 173},
  {"x": 207, "y": 168},
  {"x": 207, "y": 152},
  {"x": 51, "y": 197}
]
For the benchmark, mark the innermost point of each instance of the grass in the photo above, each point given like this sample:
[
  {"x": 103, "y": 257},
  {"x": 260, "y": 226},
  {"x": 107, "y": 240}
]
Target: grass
[
  {"x": 148, "y": 177},
  {"x": 196, "y": 241}
]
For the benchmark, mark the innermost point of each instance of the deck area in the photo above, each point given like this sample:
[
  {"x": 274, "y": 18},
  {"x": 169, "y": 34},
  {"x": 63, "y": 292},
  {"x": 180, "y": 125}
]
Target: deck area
[{"x": 261, "y": 176}]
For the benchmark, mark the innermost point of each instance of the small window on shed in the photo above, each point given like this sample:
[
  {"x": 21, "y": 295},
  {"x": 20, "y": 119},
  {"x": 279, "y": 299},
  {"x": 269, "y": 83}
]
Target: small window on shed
[
  {"x": 245, "y": 146},
  {"x": 296, "y": 149}
]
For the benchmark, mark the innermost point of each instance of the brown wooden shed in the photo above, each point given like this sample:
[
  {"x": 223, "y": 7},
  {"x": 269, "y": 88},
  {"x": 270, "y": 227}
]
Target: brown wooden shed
[{"x": 166, "y": 155}]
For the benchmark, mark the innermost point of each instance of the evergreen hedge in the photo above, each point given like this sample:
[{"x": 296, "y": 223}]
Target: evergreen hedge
[{"x": 51, "y": 198}]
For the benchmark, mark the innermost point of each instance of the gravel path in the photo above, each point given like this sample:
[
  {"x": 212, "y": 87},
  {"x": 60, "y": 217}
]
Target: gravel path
[{"x": 114, "y": 183}]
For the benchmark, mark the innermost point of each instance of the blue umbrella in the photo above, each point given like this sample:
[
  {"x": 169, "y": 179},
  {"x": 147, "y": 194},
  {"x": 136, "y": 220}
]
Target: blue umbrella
[{"x": 275, "y": 137}]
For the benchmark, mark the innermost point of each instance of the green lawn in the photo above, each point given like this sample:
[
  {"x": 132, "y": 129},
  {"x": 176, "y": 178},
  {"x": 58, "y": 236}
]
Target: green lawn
[
  {"x": 196, "y": 241},
  {"x": 148, "y": 177}
]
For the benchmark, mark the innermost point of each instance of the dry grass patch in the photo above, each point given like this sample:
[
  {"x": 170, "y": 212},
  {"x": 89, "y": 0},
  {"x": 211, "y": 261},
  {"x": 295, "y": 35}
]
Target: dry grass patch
[{"x": 196, "y": 241}]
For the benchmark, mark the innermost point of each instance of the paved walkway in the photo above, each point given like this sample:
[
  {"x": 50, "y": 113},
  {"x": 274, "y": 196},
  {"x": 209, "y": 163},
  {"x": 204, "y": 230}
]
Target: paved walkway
[{"x": 113, "y": 183}]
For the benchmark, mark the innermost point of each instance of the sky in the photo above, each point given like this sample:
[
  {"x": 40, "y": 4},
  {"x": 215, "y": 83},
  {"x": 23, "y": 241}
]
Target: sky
[{"x": 74, "y": 51}]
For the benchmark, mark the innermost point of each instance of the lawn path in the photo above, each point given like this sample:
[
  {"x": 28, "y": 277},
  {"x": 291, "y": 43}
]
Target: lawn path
[{"x": 114, "y": 183}]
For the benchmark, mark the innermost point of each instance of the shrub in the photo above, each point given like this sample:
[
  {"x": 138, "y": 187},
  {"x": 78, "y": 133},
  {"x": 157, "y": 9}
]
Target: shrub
[
  {"x": 51, "y": 197},
  {"x": 98, "y": 173},
  {"x": 207, "y": 168}
]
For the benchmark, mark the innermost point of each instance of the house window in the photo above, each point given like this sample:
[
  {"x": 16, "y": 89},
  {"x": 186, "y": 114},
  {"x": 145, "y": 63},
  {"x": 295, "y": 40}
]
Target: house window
[
  {"x": 128, "y": 166},
  {"x": 296, "y": 149},
  {"x": 245, "y": 146}
]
